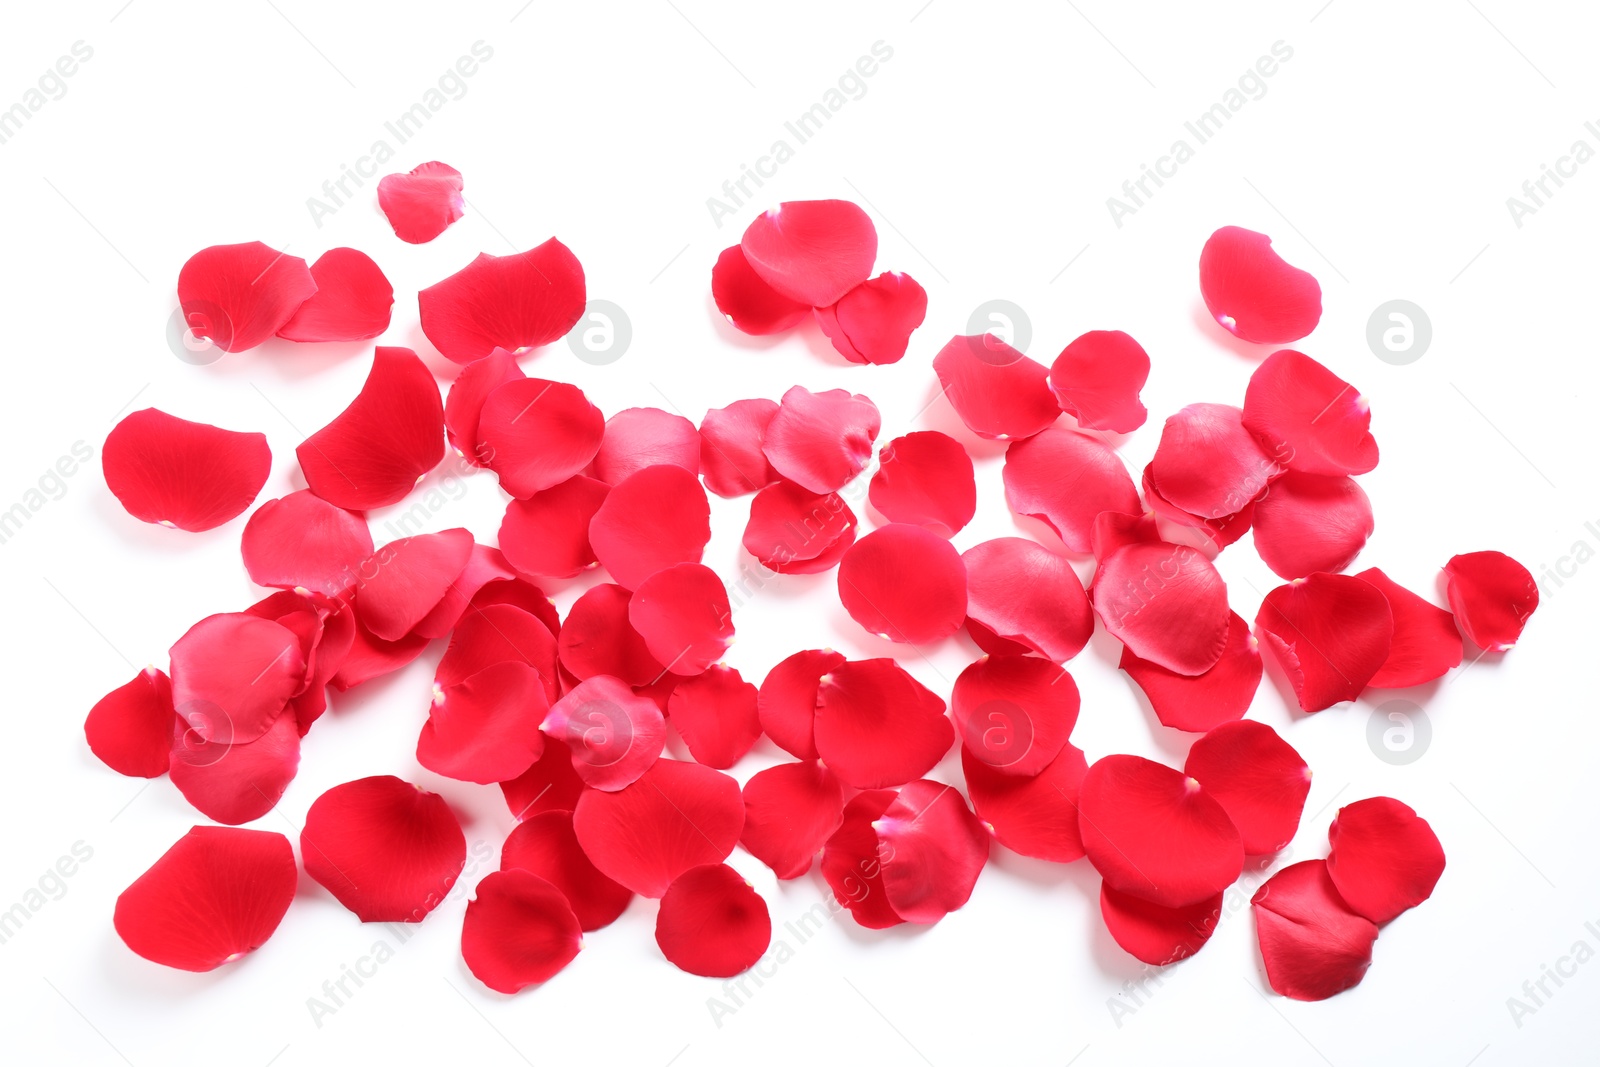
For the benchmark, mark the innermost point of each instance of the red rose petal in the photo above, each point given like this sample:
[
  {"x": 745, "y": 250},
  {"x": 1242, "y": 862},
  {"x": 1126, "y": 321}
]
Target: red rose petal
[
  {"x": 1426, "y": 643},
  {"x": 405, "y": 579},
  {"x": 373, "y": 453},
  {"x": 615, "y": 734},
  {"x": 1035, "y": 816},
  {"x": 1383, "y": 857},
  {"x": 1260, "y": 781},
  {"x": 1156, "y": 935},
  {"x": 790, "y": 811},
  {"x": 498, "y": 633},
  {"x": 1330, "y": 632},
  {"x": 422, "y": 203},
  {"x": 536, "y": 434},
  {"x": 812, "y": 251},
  {"x": 240, "y": 295},
  {"x": 712, "y": 922},
  {"x": 1218, "y": 533},
  {"x": 1311, "y": 522},
  {"x": 1252, "y": 292},
  {"x": 652, "y": 519},
  {"x": 386, "y": 849},
  {"x": 873, "y": 322},
  {"x": 518, "y": 594},
  {"x": 187, "y": 475},
  {"x": 934, "y": 850},
  {"x": 1067, "y": 479},
  {"x": 748, "y": 302},
  {"x": 683, "y": 614},
  {"x": 371, "y": 658},
  {"x": 302, "y": 541},
  {"x": 1112, "y": 530},
  {"x": 551, "y": 784},
  {"x": 232, "y": 674},
  {"x": 1014, "y": 713},
  {"x": 877, "y": 726},
  {"x": 636, "y": 438},
  {"x": 925, "y": 479},
  {"x": 998, "y": 392},
  {"x": 512, "y": 302},
  {"x": 1154, "y": 833},
  {"x": 485, "y": 566},
  {"x": 1308, "y": 418},
  {"x": 787, "y": 700},
  {"x": 463, "y": 405},
  {"x": 1492, "y": 595},
  {"x": 1167, "y": 603},
  {"x": 597, "y": 638},
  {"x": 130, "y": 728},
  {"x": 1027, "y": 595},
  {"x": 545, "y": 845},
  {"x": 1313, "y": 945},
  {"x": 1204, "y": 701},
  {"x": 547, "y": 534},
  {"x": 795, "y": 531},
  {"x": 904, "y": 583},
  {"x": 677, "y": 816},
  {"x": 353, "y": 300},
  {"x": 821, "y": 440},
  {"x": 212, "y": 897},
  {"x": 715, "y": 714},
  {"x": 732, "y": 459},
  {"x": 1208, "y": 464},
  {"x": 485, "y": 728},
  {"x": 235, "y": 783},
  {"x": 852, "y": 861},
  {"x": 1097, "y": 379},
  {"x": 519, "y": 931}
]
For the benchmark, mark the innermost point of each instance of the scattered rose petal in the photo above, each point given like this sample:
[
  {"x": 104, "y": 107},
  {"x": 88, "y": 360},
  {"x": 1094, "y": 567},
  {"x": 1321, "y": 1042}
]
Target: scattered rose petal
[
  {"x": 747, "y": 301},
  {"x": 1156, "y": 935},
  {"x": 238, "y": 296},
  {"x": 712, "y": 922},
  {"x": 852, "y": 861},
  {"x": 551, "y": 784},
  {"x": 1217, "y": 533},
  {"x": 182, "y": 474},
  {"x": 1097, "y": 379},
  {"x": 422, "y": 203},
  {"x": 925, "y": 479},
  {"x": 1067, "y": 479},
  {"x": 485, "y": 566},
  {"x": 1426, "y": 643},
  {"x": 1383, "y": 857},
  {"x": 485, "y": 728},
  {"x": 615, "y": 735},
  {"x": 544, "y": 844},
  {"x": 1492, "y": 595},
  {"x": 547, "y": 535},
  {"x": 812, "y": 251},
  {"x": 405, "y": 579},
  {"x": 787, "y": 700},
  {"x": 790, "y": 811},
  {"x": 636, "y": 438},
  {"x": 353, "y": 300},
  {"x": 232, "y": 675},
  {"x": 904, "y": 583},
  {"x": 1313, "y": 945},
  {"x": 498, "y": 633},
  {"x": 1311, "y": 522},
  {"x": 1330, "y": 632},
  {"x": 369, "y": 657},
  {"x": 235, "y": 783},
  {"x": 519, "y": 931},
  {"x": 683, "y": 614},
  {"x": 998, "y": 392},
  {"x": 821, "y": 440},
  {"x": 1208, "y": 464},
  {"x": 1252, "y": 292},
  {"x": 715, "y": 714},
  {"x": 1204, "y": 701},
  {"x": 877, "y": 726},
  {"x": 1112, "y": 530},
  {"x": 732, "y": 439},
  {"x": 513, "y": 302},
  {"x": 597, "y": 638},
  {"x": 795, "y": 531},
  {"x": 463, "y": 405},
  {"x": 934, "y": 849},
  {"x": 130, "y": 728},
  {"x": 1167, "y": 603},
  {"x": 1260, "y": 781},
  {"x": 302, "y": 541},
  {"x": 652, "y": 519},
  {"x": 1308, "y": 418},
  {"x": 873, "y": 322},
  {"x": 1035, "y": 816},
  {"x": 1014, "y": 713},
  {"x": 1028, "y": 596},
  {"x": 536, "y": 434}
]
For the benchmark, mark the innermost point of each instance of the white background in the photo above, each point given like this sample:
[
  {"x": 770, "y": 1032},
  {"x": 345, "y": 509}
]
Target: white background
[{"x": 1380, "y": 158}]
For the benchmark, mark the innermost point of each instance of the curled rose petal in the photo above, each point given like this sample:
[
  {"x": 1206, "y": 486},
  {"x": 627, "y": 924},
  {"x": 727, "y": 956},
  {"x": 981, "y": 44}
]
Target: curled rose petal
[
  {"x": 1311, "y": 522},
  {"x": 547, "y": 535},
  {"x": 712, "y": 922},
  {"x": 463, "y": 405},
  {"x": 551, "y": 784},
  {"x": 1426, "y": 643},
  {"x": 1014, "y": 713},
  {"x": 1492, "y": 595},
  {"x": 353, "y": 300},
  {"x": 519, "y": 931},
  {"x": 1330, "y": 632},
  {"x": 422, "y": 203},
  {"x": 652, "y": 519},
  {"x": 1260, "y": 781},
  {"x": 934, "y": 849},
  {"x": 536, "y": 434},
  {"x": 386, "y": 849},
  {"x": 787, "y": 700},
  {"x": 1034, "y": 816},
  {"x": 485, "y": 728},
  {"x": 732, "y": 459},
  {"x": 683, "y": 614},
  {"x": 1312, "y": 943},
  {"x": 747, "y": 301},
  {"x": 1156, "y": 935},
  {"x": 904, "y": 583},
  {"x": 303, "y": 541},
  {"x": 1307, "y": 418},
  {"x": 676, "y": 816},
  {"x": 852, "y": 861},
  {"x": 812, "y": 251},
  {"x": 405, "y": 579},
  {"x": 1208, "y": 464},
  {"x": 821, "y": 440},
  {"x": 130, "y": 728},
  {"x": 215, "y": 895},
  {"x": 615, "y": 734},
  {"x": 512, "y": 302},
  {"x": 235, "y": 783},
  {"x": 715, "y": 714},
  {"x": 878, "y": 726},
  {"x": 544, "y": 844},
  {"x": 1155, "y": 833},
  {"x": 187, "y": 475},
  {"x": 238, "y": 296},
  {"x": 1027, "y": 595},
  {"x": 1097, "y": 379},
  {"x": 1383, "y": 857},
  {"x": 1203, "y": 701},
  {"x": 1252, "y": 292},
  {"x": 232, "y": 675},
  {"x": 790, "y": 811},
  {"x": 925, "y": 479},
  {"x": 374, "y": 451},
  {"x": 1167, "y": 603},
  {"x": 795, "y": 531},
  {"x": 636, "y": 438},
  {"x": 597, "y": 638},
  {"x": 1067, "y": 479},
  {"x": 498, "y": 633},
  {"x": 873, "y": 322},
  {"x": 998, "y": 392}
]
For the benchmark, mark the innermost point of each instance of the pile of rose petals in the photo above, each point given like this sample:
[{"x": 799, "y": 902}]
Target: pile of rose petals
[{"x": 570, "y": 716}]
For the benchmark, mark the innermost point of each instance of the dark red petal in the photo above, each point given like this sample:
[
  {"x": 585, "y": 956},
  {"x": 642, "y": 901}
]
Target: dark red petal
[
  {"x": 712, "y": 922},
  {"x": 187, "y": 475},
  {"x": 386, "y": 849},
  {"x": 653, "y": 519},
  {"x": 1208, "y": 464},
  {"x": 1014, "y": 713},
  {"x": 1308, "y": 418},
  {"x": 715, "y": 714},
  {"x": 240, "y": 295},
  {"x": 1155, "y": 833},
  {"x": 485, "y": 566},
  {"x": 1252, "y": 292},
  {"x": 353, "y": 300},
  {"x": 748, "y": 302},
  {"x": 485, "y": 728},
  {"x": 373, "y": 453},
  {"x": 213, "y": 896},
  {"x": 1313, "y": 945},
  {"x": 795, "y": 531},
  {"x": 1112, "y": 530},
  {"x": 1156, "y": 935},
  {"x": 597, "y": 638},
  {"x": 513, "y": 302},
  {"x": 1426, "y": 643},
  {"x": 551, "y": 784},
  {"x": 545, "y": 845},
  {"x": 1260, "y": 781},
  {"x": 636, "y": 438},
  {"x": 787, "y": 701},
  {"x": 1097, "y": 379},
  {"x": 998, "y": 392},
  {"x": 790, "y": 811},
  {"x": 371, "y": 658},
  {"x": 1167, "y": 603},
  {"x": 934, "y": 849},
  {"x": 812, "y": 251},
  {"x": 463, "y": 404},
  {"x": 615, "y": 734},
  {"x": 904, "y": 583},
  {"x": 1311, "y": 522},
  {"x": 1330, "y": 632},
  {"x": 236, "y": 783},
  {"x": 1067, "y": 479},
  {"x": 232, "y": 675},
  {"x": 547, "y": 535},
  {"x": 1026, "y": 594},
  {"x": 405, "y": 579},
  {"x": 683, "y": 614},
  {"x": 1203, "y": 701},
  {"x": 732, "y": 459},
  {"x": 518, "y": 931},
  {"x": 1035, "y": 816},
  {"x": 1383, "y": 857},
  {"x": 878, "y": 726},
  {"x": 1492, "y": 595},
  {"x": 872, "y": 323},
  {"x": 925, "y": 479},
  {"x": 677, "y": 816},
  {"x": 536, "y": 434},
  {"x": 821, "y": 440},
  {"x": 303, "y": 541},
  {"x": 853, "y": 859},
  {"x": 497, "y": 633},
  {"x": 422, "y": 203},
  {"x": 1217, "y": 533},
  {"x": 130, "y": 728}
]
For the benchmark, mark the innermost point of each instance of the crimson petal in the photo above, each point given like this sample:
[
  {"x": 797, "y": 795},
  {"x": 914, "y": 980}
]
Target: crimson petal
[
  {"x": 130, "y": 728},
  {"x": 1312, "y": 943},
  {"x": 353, "y": 300},
  {"x": 732, "y": 459},
  {"x": 513, "y": 302},
  {"x": 812, "y": 251},
  {"x": 615, "y": 734},
  {"x": 182, "y": 474},
  {"x": 1330, "y": 632},
  {"x": 747, "y": 301},
  {"x": 232, "y": 674},
  {"x": 1034, "y": 816},
  {"x": 1204, "y": 701},
  {"x": 238, "y": 296},
  {"x": 545, "y": 844},
  {"x": 795, "y": 531},
  {"x": 1260, "y": 781},
  {"x": 1067, "y": 479},
  {"x": 653, "y": 519},
  {"x": 1252, "y": 292},
  {"x": 463, "y": 405},
  {"x": 1014, "y": 713},
  {"x": 852, "y": 861},
  {"x": 1208, "y": 464},
  {"x": 1097, "y": 379},
  {"x": 873, "y": 322},
  {"x": 1311, "y": 522},
  {"x": 636, "y": 438},
  {"x": 712, "y": 922},
  {"x": 302, "y": 541},
  {"x": 547, "y": 535},
  {"x": 1156, "y": 935},
  {"x": 485, "y": 728},
  {"x": 925, "y": 479},
  {"x": 878, "y": 726},
  {"x": 405, "y": 579},
  {"x": 536, "y": 434},
  {"x": 1167, "y": 603},
  {"x": 683, "y": 614},
  {"x": 904, "y": 583},
  {"x": 998, "y": 392},
  {"x": 496, "y": 633},
  {"x": 1383, "y": 857},
  {"x": 821, "y": 440},
  {"x": 1219, "y": 532},
  {"x": 1426, "y": 643},
  {"x": 518, "y": 931},
  {"x": 597, "y": 638},
  {"x": 551, "y": 784},
  {"x": 787, "y": 700},
  {"x": 1492, "y": 595},
  {"x": 422, "y": 203},
  {"x": 235, "y": 783},
  {"x": 1027, "y": 595},
  {"x": 715, "y": 714},
  {"x": 790, "y": 811},
  {"x": 934, "y": 850},
  {"x": 1308, "y": 418},
  {"x": 485, "y": 567}
]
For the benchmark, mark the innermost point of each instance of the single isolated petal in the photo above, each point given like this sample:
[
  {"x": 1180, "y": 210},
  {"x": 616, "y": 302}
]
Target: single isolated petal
[
  {"x": 1097, "y": 379},
  {"x": 732, "y": 458},
  {"x": 715, "y": 714},
  {"x": 182, "y": 474},
  {"x": 1260, "y": 781},
  {"x": 787, "y": 700},
  {"x": 1307, "y": 418},
  {"x": 1312, "y": 943},
  {"x": 683, "y": 614},
  {"x": 1252, "y": 292},
  {"x": 547, "y": 535},
  {"x": 1034, "y": 816},
  {"x": 544, "y": 844},
  {"x": 302, "y": 541},
  {"x": 925, "y": 478},
  {"x": 238, "y": 296},
  {"x": 812, "y": 251},
  {"x": 550, "y": 784},
  {"x": 130, "y": 728},
  {"x": 747, "y": 301},
  {"x": 998, "y": 392},
  {"x": 405, "y": 579},
  {"x": 598, "y": 638},
  {"x": 795, "y": 531},
  {"x": 615, "y": 734},
  {"x": 1024, "y": 594},
  {"x": 235, "y": 783},
  {"x": 1066, "y": 479},
  {"x": 513, "y": 302},
  {"x": 485, "y": 728},
  {"x": 636, "y": 438},
  {"x": 536, "y": 434},
  {"x": 463, "y": 404},
  {"x": 1167, "y": 603},
  {"x": 422, "y": 203},
  {"x": 873, "y": 322},
  {"x": 353, "y": 300},
  {"x": 232, "y": 675},
  {"x": 1156, "y": 935},
  {"x": 790, "y": 811},
  {"x": 933, "y": 851},
  {"x": 1208, "y": 464},
  {"x": 712, "y": 922},
  {"x": 852, "y": 861},
  {"x": 821, "y": 440},
  {"x": 1330, "y": 632},
  {"x": 877, "y": 726},
  {"x": 1426, "y": 642},
  {"x": 1492, "y": 595},
  {"x": 215, "y": 895},
  {"x": 904, "y": 583},
  {"x": 518, "y": 931},
  {"x": 1311, "y": 522},
  {"x": 1383, "y": 857},
  {"x": 386, "y": 849},
  {"x": 1203, "y": 701},
  {"x": 652, "y": 519},
  {"x": 1014, "y": 713}
]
